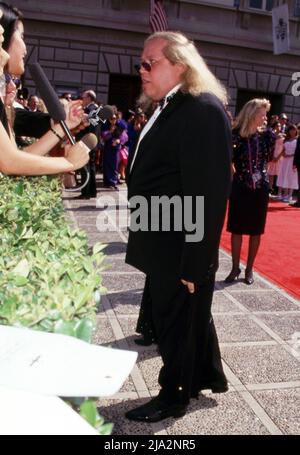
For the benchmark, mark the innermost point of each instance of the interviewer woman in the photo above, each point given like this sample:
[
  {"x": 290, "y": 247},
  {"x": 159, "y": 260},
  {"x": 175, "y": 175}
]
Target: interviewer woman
[{"x": 12, "y": 160}]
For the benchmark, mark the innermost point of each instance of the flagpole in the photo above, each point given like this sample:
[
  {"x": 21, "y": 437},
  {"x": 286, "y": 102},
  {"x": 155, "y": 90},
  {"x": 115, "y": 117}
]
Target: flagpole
[{"x": 237, "y": 5}]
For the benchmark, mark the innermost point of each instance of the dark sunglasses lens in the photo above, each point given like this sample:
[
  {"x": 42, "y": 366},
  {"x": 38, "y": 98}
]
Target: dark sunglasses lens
[
  {"x": 146, "y": 66},
  {"x": 17, "y": 82}
]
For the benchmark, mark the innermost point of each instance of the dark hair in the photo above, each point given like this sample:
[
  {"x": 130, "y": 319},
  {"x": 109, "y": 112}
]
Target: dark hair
[
  {"x": 9, "y": 21},
  {"x": 290, "y": 128},
  {"x": 3, "y": 117},
  {"x": 275, "y": 123}
]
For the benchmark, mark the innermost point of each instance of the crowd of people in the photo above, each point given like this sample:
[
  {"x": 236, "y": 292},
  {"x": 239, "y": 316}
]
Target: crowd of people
[{"x": 117, "y": 137}]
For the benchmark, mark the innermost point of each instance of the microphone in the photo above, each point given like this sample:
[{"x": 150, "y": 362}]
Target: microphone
[
  {"x": 90, "y": 140},
  {"x": 101, "y": 114},
  {"x": 54, "y": 106}
]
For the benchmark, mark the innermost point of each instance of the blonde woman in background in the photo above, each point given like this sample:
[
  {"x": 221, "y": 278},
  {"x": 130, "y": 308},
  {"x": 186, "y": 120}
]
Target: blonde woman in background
[{"x": 252, "y": 149}]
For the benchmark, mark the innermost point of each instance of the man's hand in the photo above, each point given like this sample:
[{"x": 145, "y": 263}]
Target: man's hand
[{"x": 190, "y": 286}]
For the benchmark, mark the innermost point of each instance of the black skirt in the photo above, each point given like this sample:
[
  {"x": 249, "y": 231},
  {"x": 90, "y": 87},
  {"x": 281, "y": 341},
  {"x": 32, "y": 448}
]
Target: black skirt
[{"x": 247, "y": 210}]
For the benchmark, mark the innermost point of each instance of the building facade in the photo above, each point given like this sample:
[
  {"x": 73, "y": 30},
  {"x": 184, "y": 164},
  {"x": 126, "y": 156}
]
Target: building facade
[{"x": 97, "y": 43}]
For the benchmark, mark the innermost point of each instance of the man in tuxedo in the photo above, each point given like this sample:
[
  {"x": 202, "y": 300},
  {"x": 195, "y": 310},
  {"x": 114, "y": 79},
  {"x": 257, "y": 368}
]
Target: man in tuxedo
[{"x": 183, "y": 155}]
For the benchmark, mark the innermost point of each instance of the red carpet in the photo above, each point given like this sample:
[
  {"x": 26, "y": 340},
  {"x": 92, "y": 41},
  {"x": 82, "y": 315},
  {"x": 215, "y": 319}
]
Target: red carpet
[{"x": 278, "y": 258}]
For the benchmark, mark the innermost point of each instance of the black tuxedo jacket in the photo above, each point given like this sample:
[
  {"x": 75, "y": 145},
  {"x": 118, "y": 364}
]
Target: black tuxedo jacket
[{"x": 187, "y": 152}]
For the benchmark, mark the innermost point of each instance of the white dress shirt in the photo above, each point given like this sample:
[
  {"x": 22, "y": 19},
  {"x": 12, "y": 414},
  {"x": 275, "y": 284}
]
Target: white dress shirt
[{"x": 153, "y": 119}]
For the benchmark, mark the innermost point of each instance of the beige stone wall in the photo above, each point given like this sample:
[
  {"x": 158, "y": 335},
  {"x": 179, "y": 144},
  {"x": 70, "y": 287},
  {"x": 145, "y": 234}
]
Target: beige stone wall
[{"x": 81, "y": 42}]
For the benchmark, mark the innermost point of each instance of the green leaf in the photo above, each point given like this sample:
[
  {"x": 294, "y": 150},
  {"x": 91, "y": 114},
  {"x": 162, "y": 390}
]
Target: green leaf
[
  {"x": 84, "y": 330},
  {"x": 65, "y": 328},
  {"x": 46, "y": 325},
  {"x": 98, "y": 247},
  {"x": 22, "y": 268},
  {"x": 19, "y": 188},
  {"x": 88, "y": 410},
  {"x": 106, "y": 429},
  {"x": 20, "y": 280}
]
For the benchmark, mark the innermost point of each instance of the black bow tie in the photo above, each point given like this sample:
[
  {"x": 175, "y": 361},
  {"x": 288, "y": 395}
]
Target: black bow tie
[
  {"x": 165, "y": 99},
  {"x": 162, "y": 102}
]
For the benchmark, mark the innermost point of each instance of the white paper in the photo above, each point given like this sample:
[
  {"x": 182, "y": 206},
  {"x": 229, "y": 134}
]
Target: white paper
[
  {"x": 52, "y": 364},
  {"x": 25, "y": 413}
]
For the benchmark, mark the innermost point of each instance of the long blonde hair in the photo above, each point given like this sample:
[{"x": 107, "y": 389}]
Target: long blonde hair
[
  {"x": 197, "y": 78},
  {"x": 243, "y": 121}
]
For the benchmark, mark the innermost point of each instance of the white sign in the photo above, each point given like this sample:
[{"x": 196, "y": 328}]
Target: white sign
[
  {"x": 25, "y": 413},
  {"x": 281, "y": 32},
  {"x": 59, "y": 365}
]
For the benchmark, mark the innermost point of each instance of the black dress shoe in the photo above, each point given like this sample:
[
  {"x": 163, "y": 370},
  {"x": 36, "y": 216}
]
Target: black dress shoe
[
  {"x": 233, "y": 275},
  {"x": 214, "y": 387},
  {"x": 81, "y": 196},
  {"x": 145, "y": 341},
  {"x": 249, "y": 277},
  {"x": 156, "y": 410}
]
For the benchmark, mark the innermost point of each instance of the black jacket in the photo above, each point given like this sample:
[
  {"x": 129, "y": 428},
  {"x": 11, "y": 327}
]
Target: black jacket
[
  {"x": 31, "y": 124},
  {"x": 296, "y": 161},
  {"x": 187, "y": 152}
]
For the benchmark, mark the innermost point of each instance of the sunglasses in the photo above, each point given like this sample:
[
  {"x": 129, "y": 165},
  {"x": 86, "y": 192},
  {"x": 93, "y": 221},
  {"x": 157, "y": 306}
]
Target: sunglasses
[
  {"x": 147, "y": 66},
  {"x": 15, "y": 80}
]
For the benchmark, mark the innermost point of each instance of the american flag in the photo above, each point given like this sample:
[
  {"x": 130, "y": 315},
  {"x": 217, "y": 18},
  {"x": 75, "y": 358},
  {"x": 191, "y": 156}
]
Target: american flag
[{"x": 158, "y": 18}]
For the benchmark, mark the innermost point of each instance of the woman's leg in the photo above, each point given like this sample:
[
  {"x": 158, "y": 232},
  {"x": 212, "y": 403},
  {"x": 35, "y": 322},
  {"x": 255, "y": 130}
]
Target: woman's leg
[
  {"x": 254, "y": 242},
  {"x": 236, "y": 245},
  {"x": 290, "y": 193},
  {"x": 122, "y": 171}
]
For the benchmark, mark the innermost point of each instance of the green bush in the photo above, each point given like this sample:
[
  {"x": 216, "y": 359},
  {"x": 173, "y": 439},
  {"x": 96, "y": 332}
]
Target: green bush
[{"x": 48, "y": 279}]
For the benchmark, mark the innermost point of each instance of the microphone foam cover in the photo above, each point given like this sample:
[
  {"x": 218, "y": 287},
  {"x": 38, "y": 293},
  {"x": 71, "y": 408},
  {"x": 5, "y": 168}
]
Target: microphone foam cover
[
  {"x": 90, "y": 140},
  {"x": 47, "y": 93},
  {"x": 106, "y": 112}
]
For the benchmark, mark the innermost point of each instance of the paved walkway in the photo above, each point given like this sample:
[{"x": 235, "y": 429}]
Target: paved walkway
[{"x": 255, "y": 325}]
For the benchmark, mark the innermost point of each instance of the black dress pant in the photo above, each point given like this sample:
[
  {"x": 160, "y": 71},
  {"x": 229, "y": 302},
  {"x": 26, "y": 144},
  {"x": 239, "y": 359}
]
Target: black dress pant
[
  {"x": 186, "y": 336},
  {"x": 90, "y": 190},
  {"x": 145, "y": 324}
]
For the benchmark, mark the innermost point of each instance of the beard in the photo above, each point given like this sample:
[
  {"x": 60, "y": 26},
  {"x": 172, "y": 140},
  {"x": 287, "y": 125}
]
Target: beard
[{"x": 146, "y": 104}]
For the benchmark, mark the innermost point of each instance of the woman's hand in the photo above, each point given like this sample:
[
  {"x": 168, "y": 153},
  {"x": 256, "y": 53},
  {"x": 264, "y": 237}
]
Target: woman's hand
[
  {"x": 77, "y": 154},
  {"x": 116, "y": 142},
  {"x": 74, "y": 114}
]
